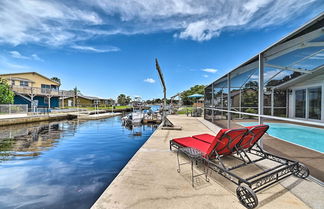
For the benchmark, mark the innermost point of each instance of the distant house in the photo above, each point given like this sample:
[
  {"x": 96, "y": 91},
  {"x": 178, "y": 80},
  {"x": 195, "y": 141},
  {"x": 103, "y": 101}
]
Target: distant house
[
  {"x": 86, "y": 101},
  {"x": 199, "y": 103},
  {"x": 33, "y": 89}
]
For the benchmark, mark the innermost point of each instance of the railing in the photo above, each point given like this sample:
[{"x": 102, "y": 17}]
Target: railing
[
  {"x": 9, "y": 109},
  {"x": 65, "y": 94},
  {"x": 270, "y": 117},
  {"x": 39, "y": 111},
  {"x": 35, "y": 90}
]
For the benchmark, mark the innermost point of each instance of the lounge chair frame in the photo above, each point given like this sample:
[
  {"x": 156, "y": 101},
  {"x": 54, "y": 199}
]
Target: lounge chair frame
[{"x": 249, "y": 186}]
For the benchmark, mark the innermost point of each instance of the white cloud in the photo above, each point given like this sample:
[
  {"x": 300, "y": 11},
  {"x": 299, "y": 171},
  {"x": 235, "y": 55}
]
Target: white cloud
[
  {"x": 8, "y": 65},
  {"x": 271, "y": 74},
  {"x": 209, "y": 70},
  {"x": 149, "y": 80},
  {"x": 93, "y": 49},
  {"x": 58, "y": 23},
  {"x": 36, "y": 57},
  {"x": 18, "y": 55},
  {"x": 205, "y": 76},
  {"x": 46, "y": 22}
]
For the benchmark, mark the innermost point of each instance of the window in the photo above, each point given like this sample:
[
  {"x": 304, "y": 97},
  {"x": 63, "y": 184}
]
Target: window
[
  {"x": 12, "y": 82},
  {"x": 23, "y": 83},
  {"x": 45, "y": 100},
  {"x": 314, "y": 103},
  {"x": 300, "y": 103},
  {"x": 45, "y": 88},
  {"x": 54, "y": 88}
]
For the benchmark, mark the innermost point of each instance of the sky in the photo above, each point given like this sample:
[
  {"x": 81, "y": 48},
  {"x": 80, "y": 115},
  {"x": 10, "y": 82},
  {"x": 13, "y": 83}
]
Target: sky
[{"x": 108, "y": 47}]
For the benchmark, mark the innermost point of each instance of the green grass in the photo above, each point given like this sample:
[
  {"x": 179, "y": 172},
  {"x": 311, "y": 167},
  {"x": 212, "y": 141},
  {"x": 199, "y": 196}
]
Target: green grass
[
  {"x": 100, "y": 108},
  {"x": 184, "y": 110}
]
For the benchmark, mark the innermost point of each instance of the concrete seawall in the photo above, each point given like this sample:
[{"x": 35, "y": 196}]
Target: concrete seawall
[
  {"x": 150, "y": 180},
  {"x": 87, "y": 115},
  {"x": 32, "y": 119},
  {"x": 98, "y": 116}
]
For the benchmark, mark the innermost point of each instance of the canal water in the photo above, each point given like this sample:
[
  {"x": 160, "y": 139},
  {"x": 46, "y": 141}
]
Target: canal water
[{"x": 64, "y": 164}]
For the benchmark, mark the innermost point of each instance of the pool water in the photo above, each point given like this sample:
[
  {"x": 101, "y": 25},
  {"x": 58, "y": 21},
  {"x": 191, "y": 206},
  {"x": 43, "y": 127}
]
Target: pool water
[
  {"x": 64, "y": 164},
  {"x": 312, "y": 138}
]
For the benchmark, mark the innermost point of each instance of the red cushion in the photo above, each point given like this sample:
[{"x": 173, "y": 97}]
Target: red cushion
[
  {"x": 230, "y": 140},
  {"x": 254, "y": 135},
  {"x": 194, "y": 143},
  {"x": 204, "y": 137},
  {"x": 223, "y": 144},
  {"x": 217, "y": 143}
]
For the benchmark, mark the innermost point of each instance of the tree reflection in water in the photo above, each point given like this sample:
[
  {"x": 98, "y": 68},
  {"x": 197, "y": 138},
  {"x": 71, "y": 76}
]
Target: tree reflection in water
[{"x": 30, "y": 140}]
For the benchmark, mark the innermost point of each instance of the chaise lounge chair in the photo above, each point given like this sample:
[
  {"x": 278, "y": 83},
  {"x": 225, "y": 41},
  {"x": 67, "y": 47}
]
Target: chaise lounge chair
[
  {"x": 240, "y": 144},
  {"x": 221, "y": 144}
]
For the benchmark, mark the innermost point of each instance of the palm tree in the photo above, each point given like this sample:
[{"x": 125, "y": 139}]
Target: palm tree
[
  {"x": 56, "y": 79},
  {"x": 76, "y": 93}
]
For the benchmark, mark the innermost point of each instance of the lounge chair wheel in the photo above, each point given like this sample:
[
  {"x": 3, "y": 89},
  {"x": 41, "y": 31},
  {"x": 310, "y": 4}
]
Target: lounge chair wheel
[
  {"x": 301, "y": 171},
  {"x": 246, "y": 196}
]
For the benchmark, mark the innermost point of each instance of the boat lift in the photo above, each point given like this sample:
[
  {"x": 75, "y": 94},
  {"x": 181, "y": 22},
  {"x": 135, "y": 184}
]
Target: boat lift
[{"x": 166, "y": 123}]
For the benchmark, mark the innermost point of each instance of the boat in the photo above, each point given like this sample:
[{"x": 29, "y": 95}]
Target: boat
[{"x": 135, "y": 117}]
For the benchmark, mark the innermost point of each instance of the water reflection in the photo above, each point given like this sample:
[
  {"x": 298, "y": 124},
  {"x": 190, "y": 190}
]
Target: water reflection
[
  {"x": 138, "y": 129},
  {"x": 63, "y": 164},
  {"x": 30, "y": 140}
]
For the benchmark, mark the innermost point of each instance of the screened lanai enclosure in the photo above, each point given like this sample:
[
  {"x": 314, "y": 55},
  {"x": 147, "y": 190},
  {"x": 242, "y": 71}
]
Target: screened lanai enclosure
[{"x": 284, "y": 82}]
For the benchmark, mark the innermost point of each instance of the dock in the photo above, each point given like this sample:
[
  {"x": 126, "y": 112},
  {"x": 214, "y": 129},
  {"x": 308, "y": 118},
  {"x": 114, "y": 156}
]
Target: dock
[
  {"x": 97, "y": 116},
  {"x": 151, "y": 121},
  {"x": 83, "y": 115},
  {"x": 150, "y": 180}
]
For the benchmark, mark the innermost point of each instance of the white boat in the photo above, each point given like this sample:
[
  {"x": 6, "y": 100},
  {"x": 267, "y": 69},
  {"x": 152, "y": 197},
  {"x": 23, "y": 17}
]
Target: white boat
[
  {"x": 133, "y": 118},
  {"x": 137, "y": 116}
]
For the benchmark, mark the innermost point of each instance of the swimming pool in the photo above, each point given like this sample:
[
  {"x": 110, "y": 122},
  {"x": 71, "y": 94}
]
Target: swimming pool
[{"x": 312, "y": 138}]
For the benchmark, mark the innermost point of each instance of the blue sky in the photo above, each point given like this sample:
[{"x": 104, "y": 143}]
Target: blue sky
[{"x": 108, "y": 47}]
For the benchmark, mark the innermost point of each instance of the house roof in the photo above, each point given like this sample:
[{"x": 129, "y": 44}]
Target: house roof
[
  {"x": 31, "y": 73},
  {"x": 315, "y": 73},
  {"x": 90, "y": 97}
]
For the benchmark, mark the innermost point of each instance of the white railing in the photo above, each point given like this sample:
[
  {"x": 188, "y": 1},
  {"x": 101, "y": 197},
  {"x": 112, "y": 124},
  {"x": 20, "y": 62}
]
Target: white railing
[
  {"x": 10, "y": 109},
  {"x": 301, "y": 121},
  {"x": 39, "y": 111},
  {"x": 35, "y": 90}
]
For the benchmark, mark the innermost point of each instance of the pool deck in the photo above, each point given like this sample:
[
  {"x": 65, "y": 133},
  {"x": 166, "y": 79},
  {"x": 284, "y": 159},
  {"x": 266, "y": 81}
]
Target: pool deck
[{"x": 150, "y": 180}]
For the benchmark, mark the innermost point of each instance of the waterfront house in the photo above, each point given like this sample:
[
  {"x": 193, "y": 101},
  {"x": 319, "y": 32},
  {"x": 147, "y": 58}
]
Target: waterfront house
[
  {"x": 284, "y": 82},
  {"x": 85, "y": 101},
  {"x": 33, "y": 89}
]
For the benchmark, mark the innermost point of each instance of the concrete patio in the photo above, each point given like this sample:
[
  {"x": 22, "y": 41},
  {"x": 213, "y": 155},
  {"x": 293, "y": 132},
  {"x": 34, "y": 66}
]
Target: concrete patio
[{"x": 150, "y": 180}]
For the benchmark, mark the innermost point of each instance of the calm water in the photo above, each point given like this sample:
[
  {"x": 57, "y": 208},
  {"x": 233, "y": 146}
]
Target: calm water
[
  {"x": 155, "y": 107},
  {"x": 306, "y": 136},
  {"x": 66, "y": 164}
]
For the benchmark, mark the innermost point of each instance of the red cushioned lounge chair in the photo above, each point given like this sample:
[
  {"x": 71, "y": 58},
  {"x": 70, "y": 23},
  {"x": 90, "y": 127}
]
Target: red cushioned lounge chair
[
  {"x": 223, "y": 143},
  {"x": 229, "y": 142},
  {"x": 255, "y": 133}
]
